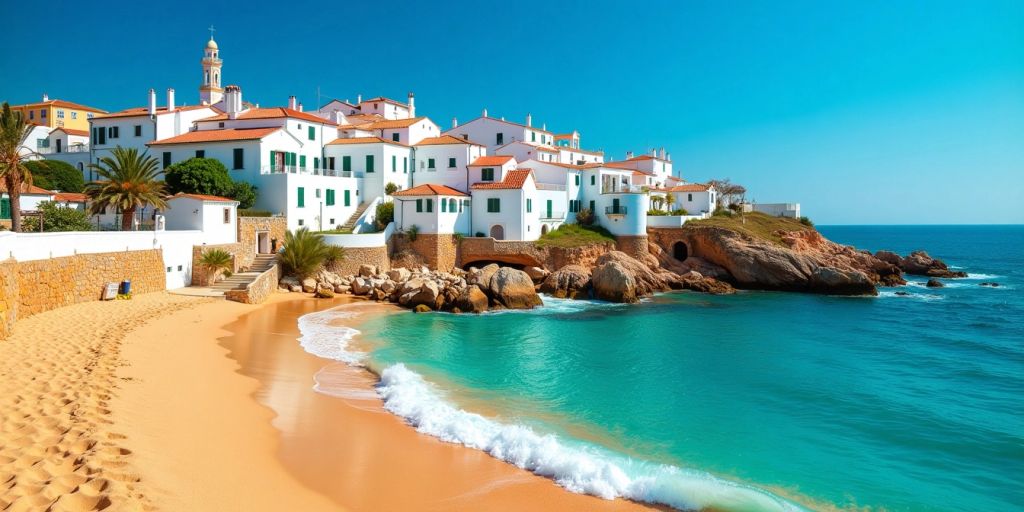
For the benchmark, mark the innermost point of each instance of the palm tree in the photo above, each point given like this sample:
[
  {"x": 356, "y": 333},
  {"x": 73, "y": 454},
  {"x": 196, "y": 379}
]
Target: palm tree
[
  {"x": 656, "y": 202},
  {"x": 304, "y": 252},
  {"x": 13, "y": 153},
  {"x": 127, "y": 181},
  {"x": 669, "y": 199},
  {"x": 216, "y": 262}
]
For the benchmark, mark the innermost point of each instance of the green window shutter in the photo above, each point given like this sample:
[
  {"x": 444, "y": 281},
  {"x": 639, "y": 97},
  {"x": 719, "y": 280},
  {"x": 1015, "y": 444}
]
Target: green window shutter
[
  {"x": 395, "y": 137},
  {"x": 405, "y": 165},
  {"x": 5, "y": 208},
  {"x": 302, "y": 160},
  {"x": 419, "y": 205},
  {"x": 487, "y": 174},
  {"x": 430, "y": 205},
  {"x": 451, "y": 162},
  {"x": 394, "y": 163},
  {"x": 348, "y": 198},
  {"x": 529, "y": 205},
  {"x": 591, "y": 206},
  {"x": 272, "y": 159},
  {"x": 330, "y": 197},
  {"x": 346, "y": 163},
  {"x": 593, "y": 179},
  {"x": 577, "y": 180},
  {"x": 369, "y": 163},
  {"x": 430, "y": 163},
  {"x": 533, "y": 136},
  {"x": 312, "y": 133},
  {"x": 302, "y": 197},
  {"x": 444, "y": 206},
  {"x": 316, "y": 162}
]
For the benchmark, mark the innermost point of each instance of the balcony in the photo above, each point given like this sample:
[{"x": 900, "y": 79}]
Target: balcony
[
  {"x": 51, "y": 150},
  {"x": 315, "y": 171},
  {"x": 622, "y": 189},
  {"x": 552, "y": 215},
  {"x": 615, "y": 210}
]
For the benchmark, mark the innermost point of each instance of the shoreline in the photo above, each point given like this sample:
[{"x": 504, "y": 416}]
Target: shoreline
[{"x": 325, "y": 452}]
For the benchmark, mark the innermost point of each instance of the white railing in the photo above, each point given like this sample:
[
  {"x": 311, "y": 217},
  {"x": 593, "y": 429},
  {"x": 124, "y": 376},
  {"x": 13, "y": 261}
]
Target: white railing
[
  {"x": 553, "y": 215},
  {"x": 315, "y": 171},
  {"x": 623, "y": 189},
  {"x": 76, "y": 148}
]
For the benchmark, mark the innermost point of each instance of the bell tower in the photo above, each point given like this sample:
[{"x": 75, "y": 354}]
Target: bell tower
[{"x": 210, "y": 92}]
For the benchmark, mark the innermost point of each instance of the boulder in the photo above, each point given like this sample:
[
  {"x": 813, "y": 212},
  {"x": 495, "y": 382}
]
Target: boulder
[
  {"x": 325, "y": 292},
  {"x": 921, "y": 264},
  {"x": 340, "y": 288},
  {"x": 367, "y": 270},
  {"x": 537, "y": 274},
  {"x": 309, "y": 285},
  {"x": 361, "y": 286},
  {"x": 399, "y": 275},
  {"x": 513, "y": 289},
  {"x": 934, "y": 283},
  {"x": 483, "y": 277},
  {"x": 388, "y": 286},
  {"x": 295, "y": 288},
  {"x": 570, "y": 281},
  {"x": 889, "y": 257},
  {"x": 841, "y": 282},
  {"x": 289, "y": 281},
  {"x": 377, "y": 294},
  {"x": 427, "y": 295},
  {"x": 421, "y": 308},
  {"x": 472, "y": 300},
  {"x": 707, "y": 285},
  {"x": 647, "y": 281},
  {"x": 612, "y": 281}
]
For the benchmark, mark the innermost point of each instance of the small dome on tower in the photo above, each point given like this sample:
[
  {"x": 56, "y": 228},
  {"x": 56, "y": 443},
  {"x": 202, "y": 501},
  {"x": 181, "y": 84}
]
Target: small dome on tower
[{"x": 211, "y": 44}]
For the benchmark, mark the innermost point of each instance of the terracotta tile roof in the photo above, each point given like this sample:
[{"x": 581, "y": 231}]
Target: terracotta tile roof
[
  {"x": 218, "y": 135},
  {"x": 515, "y": 179},
  {"x": 563, "y": 136},
  {"x": 691, "y": 187},
  {"x": 69, "y": 197},
  {"x": 355, "y": 127},
  {"x": 445, "y": 139},
  {"x": 564, "y": 165},
  {"x": 393, "y": 123},
  {"x": 364, "y": 140},
  {"x": 202, "y": 197},
  {"x": 61, "y": 104},
  {"x": 25, "y": 189},
  {"x": 144, "y": 111},
  {"x": 273, "y": 113},
  {"x": 492, "y": 160},
  {"x": 356, "y": 119},
  {"x": 430, "y": 189},
  {"x": 69, "y": 131}
]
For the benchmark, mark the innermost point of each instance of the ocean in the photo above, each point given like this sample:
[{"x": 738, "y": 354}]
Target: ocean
[{"x": 755, "y": 401}]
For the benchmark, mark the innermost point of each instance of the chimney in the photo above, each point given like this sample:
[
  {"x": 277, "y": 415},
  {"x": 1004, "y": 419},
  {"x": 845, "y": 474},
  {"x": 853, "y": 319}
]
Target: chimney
[
  {"x": 654, "y": 152},
  {"x": 668, "y": 157},
  {"x": 544, "y": 127},
  {"x": 455, "y": 123},
  {"x": 484, "y": 113},
  {"x": 502, "y": 118},
  {"x": 46, "y": 97},
  {"x": 291, "y": 102},
  {"x": 661, "y": 153},
  {"x": 359, "y": 98},
  {"x": 529, "y": 119},
  {"x": 412, "y": 105},
  {"x": 339, "y": 117},
  {"x": 629, "y": 154},
  {"x": 233, "y": 101},
  {"x": 300, "y": 107},
  {"x": 152, "y": 102},
  {"x": 170, "y": 99}
]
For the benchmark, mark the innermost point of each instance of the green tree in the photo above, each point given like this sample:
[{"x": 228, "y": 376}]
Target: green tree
[
  {"x": 244, "y": 193},
  {"x": 670, "y": 199},
  {"x": 56, "y": 175},
  {"x": 59, "y": 218},
  {"x": 304, "y": 252},
  {"x": 216, "y": 262},
  {"x": 128, "y": 180},
  {"x": 13, "y": 154},
  {"x": 198, "y": 176},
  {"x": 385, "y": 215},
  {"x": 390, "y": 188}
]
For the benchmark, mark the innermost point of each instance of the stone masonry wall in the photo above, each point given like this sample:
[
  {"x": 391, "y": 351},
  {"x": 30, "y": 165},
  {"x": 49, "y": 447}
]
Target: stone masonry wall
[
  {"x": 200, "y": 274},
  {"x": 248, "y": 227},
  {"x": 356, "y": 256},
  {"x": 8, "y": 296},
  {"x": 439, "y": 251},
  {"x": 259, "y": 290},
  {"x": 49, "y": 284},
  {"x": 634, "y": 246}
]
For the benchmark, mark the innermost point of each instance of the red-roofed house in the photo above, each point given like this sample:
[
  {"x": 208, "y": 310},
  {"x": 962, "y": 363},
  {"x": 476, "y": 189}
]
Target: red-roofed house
[
  {"x": 695, "y": 198},
  {"x": 445, "y": 159},
  {"x": 505, "y": 210},
  {"x": 433, "y": 209},
  {"x": 216, "y": 217}
]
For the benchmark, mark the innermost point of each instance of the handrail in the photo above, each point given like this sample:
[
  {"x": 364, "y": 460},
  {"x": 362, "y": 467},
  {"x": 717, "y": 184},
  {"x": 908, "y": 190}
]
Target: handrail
[{"x": 615, "y": 210}]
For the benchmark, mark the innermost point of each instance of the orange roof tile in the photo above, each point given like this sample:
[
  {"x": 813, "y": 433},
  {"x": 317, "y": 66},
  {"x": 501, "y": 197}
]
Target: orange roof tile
[
  {"x": 394, "y": 123},
  {"x": 445, "y": 139},
  {"x": 492, "y": 160},
  {"x": 70, "y": 197},
  {"x": 69, "y": 131},
  {"x": 61, "y": 104},
  {"x": 578, "y": 150},
  {"x": 430, "y": 189},
  {"x": 203, "y": 197},
  {"x": 144, "y": 111},
  {"x": 626, "y": 164},
  {"x": 515, "y": 179},
  {"x": 273, "y": 113},
  {"x": 364, "y": 140},
  {"x": 218, "y": 135},
  {"x": 691, "y": 187},
  {"x": 25, "y": 189}
]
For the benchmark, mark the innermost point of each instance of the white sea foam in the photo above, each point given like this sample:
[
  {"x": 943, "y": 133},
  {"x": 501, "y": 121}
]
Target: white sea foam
[
  {"x": 908, "y": 295},
  {"x": 972, "y": 275},
  {"x": 576, "y": 466}
]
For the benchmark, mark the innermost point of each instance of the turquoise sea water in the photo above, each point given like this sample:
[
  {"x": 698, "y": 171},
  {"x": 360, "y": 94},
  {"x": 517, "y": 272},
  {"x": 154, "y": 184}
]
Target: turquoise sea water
[{"x": 895, "y": 403}]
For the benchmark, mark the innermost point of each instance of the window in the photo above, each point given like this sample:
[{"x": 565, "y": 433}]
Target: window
[
  {"x": 395, "y": 137},
  {"x": 591, "y": 206},
  {"x": 316, "y": 162},
  {"x": 533, "y": 136},
  {"x": 487, "y": 174},
  {"x": 99, "y": 135},
  {"x": 302, "y": 222},
  {"x": 451, "y": 163},
  {"x": 60, "y": 114},
  {"x": 220, "y": 124},
  {"x": 74, "y": 115},
  {"x": 369, "y": 163},
  {"x": 689, "y": 197},
  {"x": 419, "y": 206},
  {"x": 500, "y": 139},
  {"x": 113, "y": 132},
  {"x": 302, "y": 198},
  {"x": 346, "y": 163},
  {"x": 302, "y": 161},
  {"x": 138, "y": 130},
  {"x": 170, "y": 268},
  {"x": 330, "y": 163},
  {"x": 330, "y": 197},
  {"x": 238, "y": 158},
  {"x": 577, "y": 180},
  {"x": 5, "y": 208},
  {"x": 451, "y": 206},
  {"x": 312, "y": 133},
  {"x": 332, "y": 221},
  {"x": 227, "y": 215},
  {"x": 31, "y": 114},
  {"x": 430, "y": 205},
  {"x": 430, "y": 163},
  {"x": 42, "y": 113},
  {"x": 200, "y": 153},
  {"x": 394, "y": 163},
  {"x": 444, "y": 205},
  {"x": 167, "y": 159},
  {"x": 593, "y": 179},
  {"x": 529, "y": 205},
  {"x": 318, "y": 193},
  {"x": 88, "y": 115},
  {"x": 348, "y": 199},
  {"x": 493, "y": 205},
  {"x": 405, "y": 165}
]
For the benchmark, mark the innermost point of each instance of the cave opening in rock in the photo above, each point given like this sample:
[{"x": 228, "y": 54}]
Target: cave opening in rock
[{"x": 680, "y": 251}]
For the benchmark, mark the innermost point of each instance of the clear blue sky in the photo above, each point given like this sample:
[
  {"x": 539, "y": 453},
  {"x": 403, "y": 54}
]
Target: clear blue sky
[{"x": 865, "y": 112}]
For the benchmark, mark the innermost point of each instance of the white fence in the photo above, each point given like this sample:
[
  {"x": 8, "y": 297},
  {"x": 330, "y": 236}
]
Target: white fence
[
  {"x": 361, "y": 240},
  {"x": 791, "y": 210},
  {"x": 176, "y": 247},
  {"x": 671, "y": 221}
]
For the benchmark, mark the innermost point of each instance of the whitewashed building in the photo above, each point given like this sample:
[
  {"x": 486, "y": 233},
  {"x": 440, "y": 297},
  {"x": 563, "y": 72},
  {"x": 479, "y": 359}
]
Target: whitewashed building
[{"x": 433, "y": 209}]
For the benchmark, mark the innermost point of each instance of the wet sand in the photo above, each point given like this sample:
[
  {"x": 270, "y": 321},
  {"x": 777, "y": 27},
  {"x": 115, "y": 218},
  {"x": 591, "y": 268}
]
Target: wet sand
[{"x": 197, "y": 428}]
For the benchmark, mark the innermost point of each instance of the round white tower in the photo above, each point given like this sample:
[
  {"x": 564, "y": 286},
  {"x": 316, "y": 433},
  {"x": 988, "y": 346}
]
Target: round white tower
[{"x": 210, "y": 91}]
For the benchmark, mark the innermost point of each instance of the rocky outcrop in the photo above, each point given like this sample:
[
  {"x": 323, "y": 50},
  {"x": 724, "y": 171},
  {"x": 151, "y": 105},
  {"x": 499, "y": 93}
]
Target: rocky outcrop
[
  {"x": 934, "y": 283},
  {"x": 568, "y": 282},
  {"x": 919, "y": 263},
  {"x": 613, "y": 282},
  {"x": 513, "y": 289}
]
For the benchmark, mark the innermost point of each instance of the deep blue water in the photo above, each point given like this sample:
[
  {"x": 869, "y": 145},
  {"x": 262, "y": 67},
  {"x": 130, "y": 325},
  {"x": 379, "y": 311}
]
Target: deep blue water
[{"x": 895, "y": 403}]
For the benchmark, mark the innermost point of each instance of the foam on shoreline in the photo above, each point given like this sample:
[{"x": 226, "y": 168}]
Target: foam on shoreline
[{"x": 577, "y": 466}]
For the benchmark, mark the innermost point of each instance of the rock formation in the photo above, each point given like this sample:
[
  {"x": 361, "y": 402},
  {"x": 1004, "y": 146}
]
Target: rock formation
[{"x": 919, "y": 263}]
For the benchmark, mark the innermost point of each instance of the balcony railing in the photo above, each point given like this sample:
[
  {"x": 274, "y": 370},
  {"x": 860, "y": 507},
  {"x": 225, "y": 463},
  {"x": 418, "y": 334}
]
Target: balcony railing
[
  {"x": 552, "y": 216},
  {"x": 77, "y": 148},
  {"x": 316, "y": 171},
  {"x": 615, "y": 210},
  {"x": 622, "y": 189}
]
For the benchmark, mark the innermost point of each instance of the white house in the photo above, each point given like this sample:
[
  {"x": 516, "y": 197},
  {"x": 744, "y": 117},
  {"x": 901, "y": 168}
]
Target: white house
[
  {"x": 495, "y": 133},
  {"x": 29, "y": 199},
  {"x": 523, "y": 151},
  {"x": 445, "y": 160},
  {"x": 695, "y": 198},
  {"x": 504, "y": 210},
  {"x": 433, "y": 209},
  {"x": 375, "y": 161},
  {"x": 216, "y": 217}
]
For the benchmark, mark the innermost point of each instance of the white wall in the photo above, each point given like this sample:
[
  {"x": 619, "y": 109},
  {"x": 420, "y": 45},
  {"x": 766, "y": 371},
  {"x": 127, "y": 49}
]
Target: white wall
[
  {"x": 186, "y": 213},
  {"x": 791, "y": 210},
  {"x": 695, "y": 203},
  {"x": 441, "y": 220},
  {"x": 456, "y": 177},
  {"x": 484, "y": 130}
]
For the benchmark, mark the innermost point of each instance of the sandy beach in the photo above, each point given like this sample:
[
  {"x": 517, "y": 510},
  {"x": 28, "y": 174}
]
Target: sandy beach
[{"x": 175, "y": 403}]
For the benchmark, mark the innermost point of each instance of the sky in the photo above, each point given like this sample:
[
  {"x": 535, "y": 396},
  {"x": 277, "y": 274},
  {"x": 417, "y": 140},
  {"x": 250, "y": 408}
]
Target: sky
[{"x": 866, "y": 112}]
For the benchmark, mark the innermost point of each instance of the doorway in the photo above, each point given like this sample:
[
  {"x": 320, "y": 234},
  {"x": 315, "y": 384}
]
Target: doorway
[
  {"x": 263, "y": 242},
  {"x": 498, "y": 232}
]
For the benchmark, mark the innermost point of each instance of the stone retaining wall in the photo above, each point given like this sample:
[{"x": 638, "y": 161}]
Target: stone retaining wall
[
  {"x": 440, "y": 252},
  {"x": 527, "y": 254},
  {"x": 248, "y": 227},
  {"x": 356, "y": 256},
  {"x": 259, "y": 290},
  {"x": 200, "y": 275},
  {"x": 8, "y": 296},
  {"x": 634, "y": 246}
]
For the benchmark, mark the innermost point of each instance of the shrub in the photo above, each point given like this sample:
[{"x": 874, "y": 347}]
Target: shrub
[
  {"x": 335, "y": 254},
  {"x": 198, "y": 176},
  {"x": 736, "y": 207},
  {"x": 56, "y": 175},
  {"x": 412, "y": 232},
  {"x": 585, "y": 217},
  {"x": 304, "y": 252},
  {"x": 656, "y": 213},
  {"x": 385, "y": 215},
  {"x": 575, "y": 235},
  {"x": 722, "y": 212},
  {"x": 254, "y": 213},
  {"x": 390, "y": 188},
  {"x": 680, "y": 211},
  {"x": 458, "y": 237},
  {"x": 806, "y": 221},
  {"x": 244, "y": 193},
  {"x": 479, "y": 234},
  {"x": 59, "y": 218}
]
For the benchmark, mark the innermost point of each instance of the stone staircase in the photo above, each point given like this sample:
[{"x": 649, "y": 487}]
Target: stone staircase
[
  {"x": 239, "y": 280},
  {"x": 350, "y": 224}
]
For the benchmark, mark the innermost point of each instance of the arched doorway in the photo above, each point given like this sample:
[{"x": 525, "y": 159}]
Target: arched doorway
[
  {"x": 680, "y": 251},
  {"x": 498, "y": 232},
  {"x": 543, "y": 229}
]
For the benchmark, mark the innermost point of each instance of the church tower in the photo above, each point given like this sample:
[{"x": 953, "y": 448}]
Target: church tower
[{"x": 210, "y": 92}]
